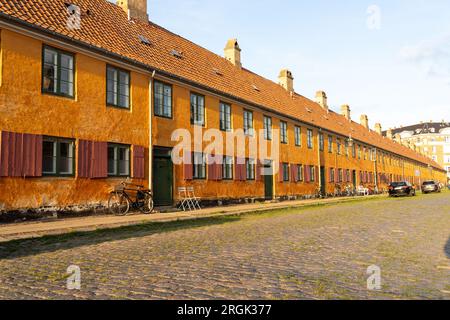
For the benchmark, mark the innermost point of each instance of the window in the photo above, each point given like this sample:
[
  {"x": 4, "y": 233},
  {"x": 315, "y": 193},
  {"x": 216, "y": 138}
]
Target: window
[
  {"x": 225, "y": 117},
  {"x": 346, "y": 148},
  {"x": 58, "y": 157},
  {"x": 267, "y": 128},
  {"x": 310, "y": 139},
  {"x": 199, "y": 166},
  {"x": 227, "y": 168},
  {"x": 300, "y": 172},
  {"x": 58, "y": 72},
  {"x": 163, "y": 100},
  {"x": 340, "y": 176},
  {"x": 331, "y": 175},
  {"x": 117, "y": 87},
  {"x": 321, "y": 142},
  {"x": 298, "y": 136},
  {"x": 286, "y": 172},
  {"x": 359, "y": 151},
  {"x": 197, "y": 109},
  {"x": 118, "y": 160},
  {"x": 354, "y": 151},
  {"x": 283, "y": 132},
  {"x": 338, "y": 143},
  {"x": 250, "y": 169},
  {"x": 248, "y": 123},
  {"x": 330, "y": 144}
]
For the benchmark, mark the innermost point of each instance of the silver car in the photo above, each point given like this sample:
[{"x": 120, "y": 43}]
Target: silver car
[{"x": 430, "y": 186}]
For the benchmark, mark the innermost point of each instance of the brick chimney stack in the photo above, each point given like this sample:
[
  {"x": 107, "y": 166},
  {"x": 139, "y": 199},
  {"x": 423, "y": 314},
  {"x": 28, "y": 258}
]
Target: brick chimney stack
[
  {"x": 286, "y": 80},
  {"x": 321, "y": 99},
  {"x": 378, "y": 128},
  {"x": 364, "y": 120},
  {"x": 136, "y": 9},
  {"x": 345, "y": 111},
  {"x": 233, "y": 52}
]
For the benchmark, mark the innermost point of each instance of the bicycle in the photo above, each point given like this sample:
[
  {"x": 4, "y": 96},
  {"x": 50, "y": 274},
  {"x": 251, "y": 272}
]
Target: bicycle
[{"x": 121, "y": 200}]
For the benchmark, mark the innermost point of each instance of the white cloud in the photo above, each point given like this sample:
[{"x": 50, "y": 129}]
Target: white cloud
[{"x": 431, "y": 56}]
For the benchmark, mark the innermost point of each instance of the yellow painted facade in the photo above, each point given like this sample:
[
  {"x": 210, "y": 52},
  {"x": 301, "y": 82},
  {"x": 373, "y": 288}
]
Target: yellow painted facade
[{"x": 25, "y": 109}]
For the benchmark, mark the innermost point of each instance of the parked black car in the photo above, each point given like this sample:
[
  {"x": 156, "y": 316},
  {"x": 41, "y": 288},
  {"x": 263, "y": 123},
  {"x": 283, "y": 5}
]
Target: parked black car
[
  {"x": 402, "y": 188},
  {"x": 430, "y": 186}
]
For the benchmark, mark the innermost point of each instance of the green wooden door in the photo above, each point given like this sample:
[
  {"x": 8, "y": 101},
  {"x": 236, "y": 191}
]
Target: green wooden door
[
  {"x": 322, "y": 181},
  {"x": 162, "y": 180},
  {"x": 268, "y": 182}
]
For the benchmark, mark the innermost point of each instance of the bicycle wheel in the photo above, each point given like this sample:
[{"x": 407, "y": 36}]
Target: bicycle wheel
[
  {"x": 118, "y": 204},
  {"x": 148, "y": 206}
]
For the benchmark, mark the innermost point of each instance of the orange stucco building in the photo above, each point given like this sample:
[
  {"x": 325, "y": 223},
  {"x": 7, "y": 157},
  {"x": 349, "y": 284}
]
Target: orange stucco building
[{"x": 91, "y": 95}]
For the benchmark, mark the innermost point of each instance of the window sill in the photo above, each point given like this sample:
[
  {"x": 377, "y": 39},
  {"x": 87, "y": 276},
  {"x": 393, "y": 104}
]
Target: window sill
[
  {"x": 118, "y": 107},
  {"x": 59, "y": 95}
]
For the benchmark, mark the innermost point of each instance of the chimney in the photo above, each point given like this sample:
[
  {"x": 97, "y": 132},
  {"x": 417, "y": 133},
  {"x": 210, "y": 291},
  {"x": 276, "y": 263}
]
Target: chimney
[
  {"x": 321, "y": 99},
  {"x": 286, "y": 80},
  {"x": 136, "y": 9},
  {"x": 345, "y": 111},
  {"x": 233, "y": 53},
  {"x": 364, "y": 120},
  {"x": 389, "y": 134},
  {"x": 378, "y": 128},
  {"x": 398, "y": 138}
]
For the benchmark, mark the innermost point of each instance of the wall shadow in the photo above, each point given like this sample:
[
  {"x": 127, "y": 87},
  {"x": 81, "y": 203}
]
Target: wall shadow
[{"x": 29, "y": 247}]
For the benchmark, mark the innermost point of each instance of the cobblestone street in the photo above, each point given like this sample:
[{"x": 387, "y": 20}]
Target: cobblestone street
[{"x": 310, "y": 253}]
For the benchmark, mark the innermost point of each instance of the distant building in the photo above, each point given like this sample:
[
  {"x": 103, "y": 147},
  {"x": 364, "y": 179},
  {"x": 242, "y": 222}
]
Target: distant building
[{"x": 432, "y": 139}]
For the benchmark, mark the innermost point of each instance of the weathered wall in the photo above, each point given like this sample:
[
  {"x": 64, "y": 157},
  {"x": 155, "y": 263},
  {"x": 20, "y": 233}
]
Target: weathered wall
[{"x": 23, "y": 108}]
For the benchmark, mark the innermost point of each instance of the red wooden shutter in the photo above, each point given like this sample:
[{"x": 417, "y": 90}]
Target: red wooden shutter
[
  {"x": 4, "y": 153},
  {"x": 237, "y": 170},
  {"x": 17, "y": 151},
  {"x": 32, "y": 155},
  {"x": 11, "y": 159},
  {"x": 243, "y": 170},
  {"x": 20, "y": 155},
  {"x": 293, "y": 172},
  {"x": 307, "y": 173},
  {"x": 258, "y": 170},
  {"x": 280, "y": 172},
  {"x": 212, "y": 171},
  {"x": 99, "y": 166},
  {"x": 219, "y": 173},
  {"x": 187, "y": 166},
  {"x": 84, "y": 158},
  {"x": 138, "y": 162}
]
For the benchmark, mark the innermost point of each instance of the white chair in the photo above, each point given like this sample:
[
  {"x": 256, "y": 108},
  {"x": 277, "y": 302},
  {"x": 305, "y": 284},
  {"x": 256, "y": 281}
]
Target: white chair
[
  {"x": 194, "y": 199},
  {"x": 186, "y": 203},
  {"x": 361, "y": 191}
]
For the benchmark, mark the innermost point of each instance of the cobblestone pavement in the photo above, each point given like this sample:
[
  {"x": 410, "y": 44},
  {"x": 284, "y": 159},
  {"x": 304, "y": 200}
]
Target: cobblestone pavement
[{"x": 311, "y": 253}]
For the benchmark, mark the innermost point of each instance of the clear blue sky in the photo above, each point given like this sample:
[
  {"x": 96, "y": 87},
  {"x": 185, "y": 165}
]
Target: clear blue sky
[{"x": 398, "y": 74}]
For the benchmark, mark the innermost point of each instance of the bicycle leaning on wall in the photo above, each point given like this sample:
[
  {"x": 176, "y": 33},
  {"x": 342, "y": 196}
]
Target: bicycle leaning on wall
[{"x": 128, "y": 196}]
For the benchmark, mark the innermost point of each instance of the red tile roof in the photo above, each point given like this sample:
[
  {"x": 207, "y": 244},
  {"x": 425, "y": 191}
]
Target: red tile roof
[{"x": 106, "y": 26}]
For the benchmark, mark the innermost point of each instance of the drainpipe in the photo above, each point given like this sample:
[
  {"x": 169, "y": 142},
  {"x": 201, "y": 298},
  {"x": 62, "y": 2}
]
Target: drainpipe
[
  {"x": 376, "y": 168},
  {"x": 318, "y": 160},
  {"x": 150, "y": 127}
]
